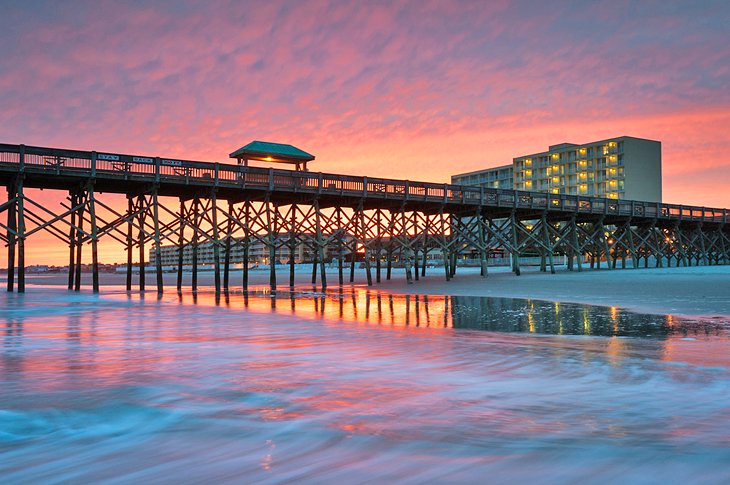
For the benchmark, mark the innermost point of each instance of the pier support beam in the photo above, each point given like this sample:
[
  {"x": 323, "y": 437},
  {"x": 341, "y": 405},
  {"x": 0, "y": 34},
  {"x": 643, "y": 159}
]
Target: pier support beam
[
  {"x": 272, "y": 211},
  {"x": 141, "y": 216},
  {"x": 482, "y": 244},
  {"x": 79, "y": 239},
  {"x": 246, "y": 240},
  {"x": 12, "y": 228},
  {"x": 216, "y": 241},
  {"x": 515, "y": 244},
  {"x": 158, "y": 242},
  {"x": 73, "y": 199},
  {"x": 94, "y": 238},
  {"x": 181, "y": 245},
  {"x": 320, "y": 244},
  {"x": 20, "y": 201},
  {"x": 227, "y": 258},
  {"x": 130, "y": 218},
  {"x": 292, "y": 244},
  {"x": 196, "y": 240}
]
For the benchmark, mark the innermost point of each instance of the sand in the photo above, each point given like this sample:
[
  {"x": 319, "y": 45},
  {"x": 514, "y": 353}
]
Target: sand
[{"x": 695, "y": 291}]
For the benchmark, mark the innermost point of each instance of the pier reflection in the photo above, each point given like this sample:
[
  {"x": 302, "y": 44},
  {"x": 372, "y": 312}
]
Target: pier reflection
[{"x": 513, "y": 315}]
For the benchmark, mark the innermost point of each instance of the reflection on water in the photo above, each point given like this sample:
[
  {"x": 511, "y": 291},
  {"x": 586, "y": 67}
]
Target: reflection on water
[
  {"x": 356, "y": 386},
  {"x": 466, "y": 312}
]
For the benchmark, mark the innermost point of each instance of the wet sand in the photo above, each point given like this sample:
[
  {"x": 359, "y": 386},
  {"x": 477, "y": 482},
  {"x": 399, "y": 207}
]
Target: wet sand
[{"x": 694, "y": 291}]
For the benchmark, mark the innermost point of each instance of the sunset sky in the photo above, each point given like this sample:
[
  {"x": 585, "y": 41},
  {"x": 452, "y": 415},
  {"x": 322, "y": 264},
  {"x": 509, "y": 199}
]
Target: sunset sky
[{"x": 418, "y": 90}]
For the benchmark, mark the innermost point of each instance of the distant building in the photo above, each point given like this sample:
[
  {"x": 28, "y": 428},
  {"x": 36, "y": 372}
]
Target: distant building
[
  {"x": 258, "y": 252},
  {"x": 619, "y": 168}
]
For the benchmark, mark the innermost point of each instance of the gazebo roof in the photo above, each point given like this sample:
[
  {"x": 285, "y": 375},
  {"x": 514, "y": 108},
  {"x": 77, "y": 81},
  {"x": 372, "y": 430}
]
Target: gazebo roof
[{"x": 272, "y": 152}]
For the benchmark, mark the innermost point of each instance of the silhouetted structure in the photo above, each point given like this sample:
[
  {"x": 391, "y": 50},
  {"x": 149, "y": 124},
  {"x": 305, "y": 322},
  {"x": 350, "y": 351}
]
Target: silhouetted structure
[{"x": 377, "y": 218}]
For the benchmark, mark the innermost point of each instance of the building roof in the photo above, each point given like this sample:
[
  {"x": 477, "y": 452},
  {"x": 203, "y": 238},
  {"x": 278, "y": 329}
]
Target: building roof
[
  {"x": 566, "y": 146},
  {"x": 483, "y": 170},
  {"x": 272, "y": 152}
]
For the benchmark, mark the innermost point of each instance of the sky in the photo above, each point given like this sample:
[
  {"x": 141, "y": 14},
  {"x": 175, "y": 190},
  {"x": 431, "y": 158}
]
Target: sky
[{"x": 402, "y": 89}]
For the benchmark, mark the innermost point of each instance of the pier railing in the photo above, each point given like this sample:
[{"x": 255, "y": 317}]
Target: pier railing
[{"x": 159, "y": 170}]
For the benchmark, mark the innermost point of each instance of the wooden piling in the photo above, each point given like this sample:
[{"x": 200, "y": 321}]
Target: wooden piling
[
  {"x": 94, "y": 239},
  {"x": 130, "y": 217},
  {"x": 141, "y": 216},
  {"x": 181, "y": 245},
  {"x": 196, "y": 238},
  {"x": 216, "y": 241},
  {"x": 79, "y": 239},
  {"x": 546, "y": 238},
  {"x": 227, "y": 258},
  {"x": 515, "y": 244},
  {"x": 320, "y": 243},
  {"x": 158, "y": 237},
  {"x": 271, "y": 218},
  {"x": 72, "y": 240},
  {"x": 246, "y": 240},
  {"x": 21, "y": 235},
  {"x": 482, "y": 245},
  {"x": 292, "y": 244}
]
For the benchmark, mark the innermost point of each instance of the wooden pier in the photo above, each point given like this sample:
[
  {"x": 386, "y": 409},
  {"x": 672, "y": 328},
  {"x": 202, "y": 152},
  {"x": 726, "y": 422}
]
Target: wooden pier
[{"x": 379, "y": 219}]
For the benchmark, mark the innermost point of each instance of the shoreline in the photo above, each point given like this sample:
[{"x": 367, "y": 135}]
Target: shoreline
[{"x": 691, "y": 292}]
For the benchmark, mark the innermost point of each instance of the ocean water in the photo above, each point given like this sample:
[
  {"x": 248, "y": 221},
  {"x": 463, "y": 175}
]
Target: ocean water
[{"x": 356, "y": 387}]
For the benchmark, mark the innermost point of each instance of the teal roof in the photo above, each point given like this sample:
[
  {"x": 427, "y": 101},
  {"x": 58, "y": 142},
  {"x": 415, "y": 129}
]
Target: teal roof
[{"x": 278, "y": 152}]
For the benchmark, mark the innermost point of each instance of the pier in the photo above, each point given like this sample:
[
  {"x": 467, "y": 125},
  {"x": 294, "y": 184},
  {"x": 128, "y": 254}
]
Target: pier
[{"x": 184, "y": 203}]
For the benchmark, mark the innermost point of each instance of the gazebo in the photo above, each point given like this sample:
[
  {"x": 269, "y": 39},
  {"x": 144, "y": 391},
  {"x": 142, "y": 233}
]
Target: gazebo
[{"x": 265, "y": 151}]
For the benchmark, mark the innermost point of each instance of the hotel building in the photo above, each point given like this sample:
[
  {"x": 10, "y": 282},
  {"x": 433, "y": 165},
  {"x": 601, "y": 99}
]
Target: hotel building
[
  {"x": 258, "y": 252},
  {"x": 618, "y": 168}
]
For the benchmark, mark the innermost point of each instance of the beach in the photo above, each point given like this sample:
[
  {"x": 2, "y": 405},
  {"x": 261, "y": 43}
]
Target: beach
[{"x": 697, "y": 291}]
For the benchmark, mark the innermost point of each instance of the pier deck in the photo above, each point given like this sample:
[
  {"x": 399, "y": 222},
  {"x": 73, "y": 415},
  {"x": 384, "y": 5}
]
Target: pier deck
[{"x": 379, "y": 219}]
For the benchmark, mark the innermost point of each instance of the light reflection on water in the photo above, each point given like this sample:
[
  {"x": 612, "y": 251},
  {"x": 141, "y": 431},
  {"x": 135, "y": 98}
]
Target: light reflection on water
[{"x": 356, "y": 386}]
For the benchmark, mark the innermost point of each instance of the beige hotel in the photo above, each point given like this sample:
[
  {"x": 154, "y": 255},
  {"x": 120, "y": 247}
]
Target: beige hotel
[{"x": 618, "y": 168}]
